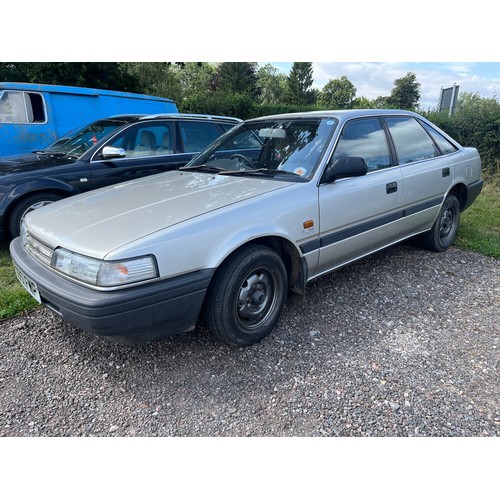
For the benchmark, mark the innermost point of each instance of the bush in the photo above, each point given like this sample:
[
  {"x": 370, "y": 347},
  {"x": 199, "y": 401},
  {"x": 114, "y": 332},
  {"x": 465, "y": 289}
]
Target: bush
[
  {"x": 476, "y": 123},
  {"x": 238, "y": 105}
]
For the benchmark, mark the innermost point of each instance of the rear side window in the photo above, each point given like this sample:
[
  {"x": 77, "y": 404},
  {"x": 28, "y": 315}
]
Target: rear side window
[
  {"x": 196, "y": 136},
  {"x": 22, "y": 107},
  {"x": 411, "y": 141},
  {"x": 365, "y": 138}
]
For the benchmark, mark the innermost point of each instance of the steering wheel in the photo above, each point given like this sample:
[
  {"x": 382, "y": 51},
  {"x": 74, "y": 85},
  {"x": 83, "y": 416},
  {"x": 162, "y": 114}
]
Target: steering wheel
[{"x": 243, "y": 159}]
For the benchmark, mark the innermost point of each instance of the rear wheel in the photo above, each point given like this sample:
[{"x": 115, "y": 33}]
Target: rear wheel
[
  {"x": 444, "y": 230},
  {"x": 247, "y": 295},
  {"x": 27, "y": 205}
]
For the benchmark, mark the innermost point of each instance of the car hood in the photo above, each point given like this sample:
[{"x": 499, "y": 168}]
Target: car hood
[
  {"x": 101, "y": 221},
  {"x": 31, "y": 161}
]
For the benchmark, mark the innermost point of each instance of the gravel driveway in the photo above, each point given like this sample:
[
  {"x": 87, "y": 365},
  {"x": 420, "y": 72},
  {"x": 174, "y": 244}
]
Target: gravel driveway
[{"x": 402, "y": 343}]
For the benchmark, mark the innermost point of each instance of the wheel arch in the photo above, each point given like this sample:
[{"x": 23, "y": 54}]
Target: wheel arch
[
  {"x": 295, "y": 265},
  {"x": 460, "y": 192},
  {"x": 63, "y": 193}
]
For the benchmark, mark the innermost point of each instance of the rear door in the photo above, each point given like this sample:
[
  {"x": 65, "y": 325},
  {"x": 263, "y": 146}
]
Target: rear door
[{"x": 426, "y": 173}]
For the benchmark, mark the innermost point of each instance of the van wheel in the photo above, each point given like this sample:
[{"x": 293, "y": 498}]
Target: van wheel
[
  {"x": 27, "y": 205},
  {"x": 246, "y": 297},
  {"x": 445, "y": 227}
]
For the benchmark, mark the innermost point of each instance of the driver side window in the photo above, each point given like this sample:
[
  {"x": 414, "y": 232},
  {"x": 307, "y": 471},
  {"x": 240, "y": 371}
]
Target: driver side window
[{"x": 365, "y": 138}]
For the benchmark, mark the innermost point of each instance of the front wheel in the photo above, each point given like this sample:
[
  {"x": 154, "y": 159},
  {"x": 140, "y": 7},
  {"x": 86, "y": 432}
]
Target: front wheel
[
  {"x": 445, "y": 227},
  {"x": 247, "y": 295}
]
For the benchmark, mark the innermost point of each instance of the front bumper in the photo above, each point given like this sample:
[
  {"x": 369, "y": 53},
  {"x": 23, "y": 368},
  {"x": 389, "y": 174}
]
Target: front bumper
[{"x": 131, "y": 315}]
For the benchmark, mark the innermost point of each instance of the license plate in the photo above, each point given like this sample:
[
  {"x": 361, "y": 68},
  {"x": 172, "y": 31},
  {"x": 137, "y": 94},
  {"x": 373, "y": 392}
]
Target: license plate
[{"x": 29, "y": 285}]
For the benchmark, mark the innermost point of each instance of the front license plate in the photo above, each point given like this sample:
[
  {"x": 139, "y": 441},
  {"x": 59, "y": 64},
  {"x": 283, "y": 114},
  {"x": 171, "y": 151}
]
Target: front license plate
[{"x": 29, "y": 285}]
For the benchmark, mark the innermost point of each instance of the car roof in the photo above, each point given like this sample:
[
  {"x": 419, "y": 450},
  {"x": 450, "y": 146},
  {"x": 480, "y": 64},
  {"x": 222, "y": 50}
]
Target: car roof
[
  {"x": 189, "y": 116},
  {"x": 340, "y": 114}
]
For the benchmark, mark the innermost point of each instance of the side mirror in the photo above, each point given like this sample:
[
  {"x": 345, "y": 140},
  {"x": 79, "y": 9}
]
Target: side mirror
[
  {"x": 340, "y": 168},
  {"x": 109, "y": 152}
]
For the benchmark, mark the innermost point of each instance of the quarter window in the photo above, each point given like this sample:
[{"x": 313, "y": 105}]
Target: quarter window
[
  {"x": 444, "y": 145},
  {"x": 411, "y": 141},
  {"x": 365, "y": 138}
]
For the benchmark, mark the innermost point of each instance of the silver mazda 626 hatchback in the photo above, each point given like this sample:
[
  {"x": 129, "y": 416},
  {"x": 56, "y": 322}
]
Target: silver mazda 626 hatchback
[{"x": 272, "y": 204}]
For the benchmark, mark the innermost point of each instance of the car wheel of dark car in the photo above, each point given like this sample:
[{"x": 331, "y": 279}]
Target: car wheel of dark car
[
  {"x": 247, "y": 295},
  {"x": 25, "y": 206},
  {"x": 445, "y": 227}
]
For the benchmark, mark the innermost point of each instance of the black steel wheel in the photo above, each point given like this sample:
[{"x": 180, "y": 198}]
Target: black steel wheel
[
  {"x": 444, "y": 231},
  {"x": 247, "y": 295}
]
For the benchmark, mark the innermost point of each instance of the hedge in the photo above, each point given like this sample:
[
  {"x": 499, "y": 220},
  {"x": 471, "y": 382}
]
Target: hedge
[{"x": 475, "y": 123}]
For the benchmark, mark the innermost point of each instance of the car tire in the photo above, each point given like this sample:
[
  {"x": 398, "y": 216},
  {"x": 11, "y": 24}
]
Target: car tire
[
  {"x": 247, "y": 295},
  {"x": 26, "y": 205},
  {"x": 445, "y": 227}
]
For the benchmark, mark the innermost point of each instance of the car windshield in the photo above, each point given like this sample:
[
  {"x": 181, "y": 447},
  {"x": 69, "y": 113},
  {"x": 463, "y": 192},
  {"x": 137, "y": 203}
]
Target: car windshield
[
  {"x": 78, "y": 141},
  {"x": 292, "y": 146}
]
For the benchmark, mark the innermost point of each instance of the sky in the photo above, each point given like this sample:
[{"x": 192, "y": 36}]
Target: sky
[
  {"x": 374, "y": 79},
  {"x": 371, "y": 43}
]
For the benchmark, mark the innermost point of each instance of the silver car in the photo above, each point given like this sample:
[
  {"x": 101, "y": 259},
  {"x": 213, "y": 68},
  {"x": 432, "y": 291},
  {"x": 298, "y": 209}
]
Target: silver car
[{"x": 269, "y": 206}]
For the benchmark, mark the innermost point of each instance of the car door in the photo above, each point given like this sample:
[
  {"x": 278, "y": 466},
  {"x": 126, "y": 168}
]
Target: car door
[
  {"x": 149, "y": 148},
  {"x": 426, "y": 173},
  {"x": 360, "y": 214}
]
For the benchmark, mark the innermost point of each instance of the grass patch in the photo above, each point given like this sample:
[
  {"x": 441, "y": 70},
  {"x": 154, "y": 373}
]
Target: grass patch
[
  {"x": 13, "y": 298},
  {"x": 479, "y": 228}
]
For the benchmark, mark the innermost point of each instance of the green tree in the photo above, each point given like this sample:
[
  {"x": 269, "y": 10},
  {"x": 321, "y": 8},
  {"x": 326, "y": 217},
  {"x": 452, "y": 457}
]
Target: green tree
[
  {"x": 236, "y": 78},
  {"x": 405, "y": 93},
  {"x": 155, "y": 78},
  {"x": 381, "y": 102},
  {"x": 103, "y": 75},
  {"x": 195, "y": 78},
  {"x": 271, "y": 84},
  {"x": 300, "y": 82},
  {"x": 338, "y": 93},
  {"x": 362, "y": 103}
]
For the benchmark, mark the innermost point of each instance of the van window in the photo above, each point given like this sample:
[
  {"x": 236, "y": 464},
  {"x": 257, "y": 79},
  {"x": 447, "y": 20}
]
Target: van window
[{"x": 21, "y": 107}]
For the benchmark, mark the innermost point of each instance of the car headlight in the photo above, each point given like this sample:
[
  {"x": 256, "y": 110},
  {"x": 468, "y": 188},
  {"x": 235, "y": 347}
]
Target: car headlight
[{"x": 104, "y": 273}]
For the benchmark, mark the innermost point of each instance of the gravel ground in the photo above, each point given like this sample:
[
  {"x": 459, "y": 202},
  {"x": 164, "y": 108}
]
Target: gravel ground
[{"x": 402, "y": 343}]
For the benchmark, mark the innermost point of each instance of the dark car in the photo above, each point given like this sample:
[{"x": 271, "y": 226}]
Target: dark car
[{"x": 108, "y": 151}]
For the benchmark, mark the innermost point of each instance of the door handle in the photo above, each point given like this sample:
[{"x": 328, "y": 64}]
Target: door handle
[{"x": 392, "y": 187}]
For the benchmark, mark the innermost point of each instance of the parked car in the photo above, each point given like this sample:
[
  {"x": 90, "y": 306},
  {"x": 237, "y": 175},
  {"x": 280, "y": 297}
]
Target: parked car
[
  {"x": 268, "y": 207},
  {"x": 104, "y": 152},
  {"x": 33, "y": 115}
]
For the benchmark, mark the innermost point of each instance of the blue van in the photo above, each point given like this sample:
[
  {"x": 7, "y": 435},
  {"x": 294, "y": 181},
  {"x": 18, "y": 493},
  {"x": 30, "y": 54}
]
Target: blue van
[{"x": 34, "y": 115}]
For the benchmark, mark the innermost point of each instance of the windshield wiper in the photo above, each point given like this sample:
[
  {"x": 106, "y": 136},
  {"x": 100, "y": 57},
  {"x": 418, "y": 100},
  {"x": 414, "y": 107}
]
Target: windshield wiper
[
  {"x": 58, "y": 154},
  {"x": 203, "y": 168},
  {"x": 260, "y": 171}
]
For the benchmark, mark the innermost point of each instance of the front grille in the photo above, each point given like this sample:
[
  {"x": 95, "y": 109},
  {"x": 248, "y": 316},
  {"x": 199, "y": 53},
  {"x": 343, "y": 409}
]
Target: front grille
[{"x": 38, "y": 250}]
